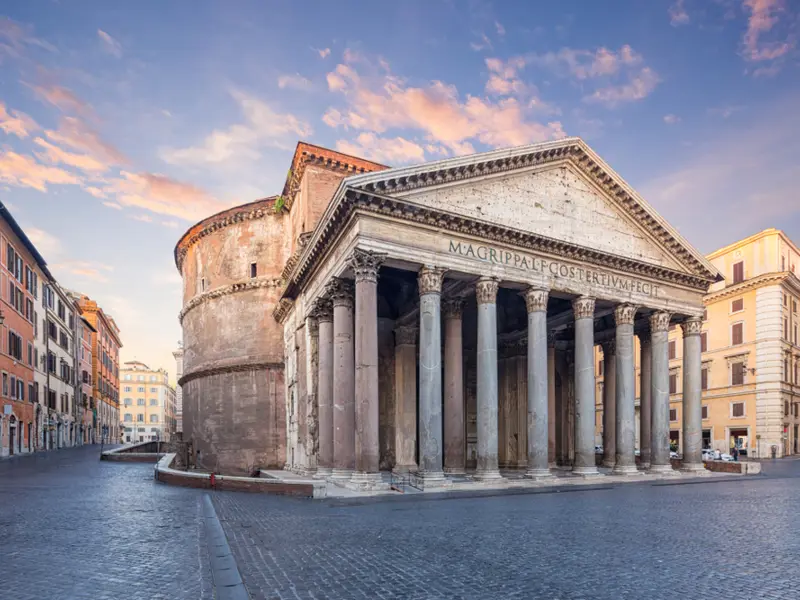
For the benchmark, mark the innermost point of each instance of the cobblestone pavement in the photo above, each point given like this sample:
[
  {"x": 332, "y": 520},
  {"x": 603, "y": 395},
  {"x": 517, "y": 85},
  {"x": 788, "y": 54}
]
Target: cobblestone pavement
[
  {"x": 708, "y": 539},
  {"x": 72, "y": 527}
]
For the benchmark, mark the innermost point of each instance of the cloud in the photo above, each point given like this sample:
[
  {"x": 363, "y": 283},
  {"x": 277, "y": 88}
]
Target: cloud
[
  {"x": 677, "y": 14},
  {"x": 640, "y": 86},
  {"x": 294, "y": 82},
  {"x": 54, "y": 154},
  {"x": 15, "y": 38},
  {"x": 587, "y": 64},
  {"x": 171, "y": 224},
  {"x": 110, "y": 45},
  {"x": 671, "y": 119},
  {"x": 501, "y": 31},
  {"x": 51, "y": 248},
  {"x": 76, "y": 134},
  {"x": 262, "y": 127},
  {"x": 764, "y": 16},
  {"x": 163, "y": 195},
  {"x": 113, "y": 205},
  {"x": 396, "y": 150},
  {"x": 62, "y": 98},
  {"x": 503, "y": 76},
  {"x": 16, "y": 123},
  {"x": 484, "y": 43},
  {"x": 47, "y": 244},
  {"x": 380, "y": 101},
  {"x": 724, "y": 111},
  {"x": 323, "y": 52},
  {"x": 142, "y": 218},
  {"x": 94, "y": 191},
  {"x": 23, "y": 171},
  {"x": 84, "y": 269}
]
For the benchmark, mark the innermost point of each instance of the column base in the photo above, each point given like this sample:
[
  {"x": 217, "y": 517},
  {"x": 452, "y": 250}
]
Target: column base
[
  {"x": 608, "y": 463},
  {"x": 538, "y": 474},
  {"x": 660, "y": 469},
  {"x": 455, "y": 471},
  {"x": 366, "y": 482},
  {"x": 341, "y": 475},
  {"x": 552, "y": 465},
  {"x": 625, "y": 470},
  {"x": 693, "y": 468},
  {"x": 586, "y": 472},
  {"x": 323, "y": 473},
  {"x": 432, "y": 479},
  {"x": 488, "y": 475}
]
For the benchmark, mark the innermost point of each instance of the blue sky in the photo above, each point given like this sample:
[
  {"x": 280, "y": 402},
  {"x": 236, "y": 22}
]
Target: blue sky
[{"x": 121, "y": 124}]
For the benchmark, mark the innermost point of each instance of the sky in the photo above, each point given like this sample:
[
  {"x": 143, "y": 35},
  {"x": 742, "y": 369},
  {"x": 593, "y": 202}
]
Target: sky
[{"x": 123, "y": 123}]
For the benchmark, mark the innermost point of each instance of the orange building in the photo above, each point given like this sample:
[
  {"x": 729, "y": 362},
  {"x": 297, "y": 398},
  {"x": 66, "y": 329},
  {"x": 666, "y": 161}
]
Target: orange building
[
  {"x": 19, "y": 288},
  {"x": 105, "y": 369}
]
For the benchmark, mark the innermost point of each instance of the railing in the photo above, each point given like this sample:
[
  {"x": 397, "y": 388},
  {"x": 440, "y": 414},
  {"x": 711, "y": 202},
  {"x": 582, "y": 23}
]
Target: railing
[{"x": 400, "y": 482}]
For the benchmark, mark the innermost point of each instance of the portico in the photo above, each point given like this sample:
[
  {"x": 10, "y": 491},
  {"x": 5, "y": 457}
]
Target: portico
[{"x": 498, "y": 274}]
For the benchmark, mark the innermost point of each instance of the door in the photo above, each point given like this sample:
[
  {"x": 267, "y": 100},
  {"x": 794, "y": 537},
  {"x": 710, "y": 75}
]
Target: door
[{"x": 12, "y": 430}]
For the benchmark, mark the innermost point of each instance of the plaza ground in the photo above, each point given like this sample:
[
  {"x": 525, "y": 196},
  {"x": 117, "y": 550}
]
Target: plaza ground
[{"x": 74, "y": 527}]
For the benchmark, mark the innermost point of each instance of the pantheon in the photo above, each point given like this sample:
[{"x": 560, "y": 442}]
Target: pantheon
[{"x": 439, "y": 319}]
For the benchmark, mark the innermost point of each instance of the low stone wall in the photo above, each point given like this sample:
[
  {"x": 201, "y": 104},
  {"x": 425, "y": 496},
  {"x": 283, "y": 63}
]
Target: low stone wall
[
  {"x": 744, "y": 468},
  {"x": 147, "y": 452},
  {"x": 165, "y": 473}
]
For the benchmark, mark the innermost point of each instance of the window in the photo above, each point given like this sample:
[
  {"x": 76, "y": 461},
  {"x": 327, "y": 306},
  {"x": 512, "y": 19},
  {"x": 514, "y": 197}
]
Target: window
[
  {"x": 704, "y": 411},
  {"x": 786, "y": 369},
  {"x": 153, "y": 390},
  {"x": 154, "y": 418},
  {"x": 673, "y": 383},
  {"x": 140, "y": 389},
  {"x": 127, "y": 388},
  {"x": 672, "y": 350},
  {"x": 601, "y": 367},
  {"x": 785, "y": 408},
  {"x": 128, "y": 418},
  {"x": 15, "y": 345},
  {"x": 794, "y": 306},
  {"x": 153, "y": 378},
  {"x": 704, "y": 342},
  {"x": 737, "y": 305},
  {"x": 673, "y": 414},
  {"x": 738, "y": 272},
  {"x": 794, "y": 339},
  {"x": 737, "y": 409},
  {"x": 203, "y": 284},
  {"x": 786, "y": 329},
  {"x": 140, "y": 418},
  {"x": 737, "y": 373},
  {"x": 30, "y": 354},
  {"x": 127, "y": 377},
  {"x": 253, "y": 270},
  {"x": 783, "y": 263},
  {"x": 153, "y": 402},
  {"x": 704, "y": 378},
  {"x": 13, "y": 387},
  {"x": 736, "y": 334},
  {"x": 5, "y": 384},
  {"x": 140, "y": 402},
  {"x": 795, "y": 372},
  {"x": 785, "y": 299},
  {"x": 31, "y": 396},
  {"x": 128, "y": 401}
]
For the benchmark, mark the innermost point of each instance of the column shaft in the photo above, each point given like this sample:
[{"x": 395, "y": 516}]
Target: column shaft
[
  {"x": 659, "y": 393},
  {"x": 344, "y": 450},
  {"x": 692, "y": 396},
  {"x": 405, "y": 381},
  {"x": 584, "y": 387},
  {"x": 325, "y": 391},
  {"x": 625, "y": 460},
  {"x": 538, "y": 401},
  {"x": 609, "y": 403},
  {"x": 486, "y": 294},
  {"x": 551, "y": 402},
  {"x": 430, "y": 376},
  {"x": 645, "y": 403},
  {"x": 455, "y": 449}
]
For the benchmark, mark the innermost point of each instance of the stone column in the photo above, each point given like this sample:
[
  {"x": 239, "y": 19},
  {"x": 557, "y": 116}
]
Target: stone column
[
  {"x": 692, "y": 396},
  {"x": 538, "y": 401},
  {"x": 455, "y": 448},
  {"x": 551, "y": 400},
  {"x": 625, "y": 461},
  {"x": 430, "y": 376},
  {"x": 609, "y": 403},
  {"x": 344, "y": 420},
  {"x": 645, "y": 404},
  {"x": 323, "y": 310},
  {"x": 365, "y": 264},
  {"x": 405, "y": 381},
  {"x": 486, "y": 295},
  {"x": 584, "y": 387},
  {"x": 659, "y": 393},
  {"x": 312, "y": 394}
]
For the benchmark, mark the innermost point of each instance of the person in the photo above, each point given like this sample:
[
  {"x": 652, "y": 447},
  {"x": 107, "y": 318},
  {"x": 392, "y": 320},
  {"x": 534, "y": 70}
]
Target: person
[{"x": 735, "y": 453}]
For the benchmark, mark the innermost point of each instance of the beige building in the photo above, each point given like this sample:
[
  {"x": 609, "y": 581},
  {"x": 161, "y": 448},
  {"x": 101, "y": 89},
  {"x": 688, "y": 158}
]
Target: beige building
[
  {"x": 751, "y": 358},
  {"x": 147, "y": 404}
]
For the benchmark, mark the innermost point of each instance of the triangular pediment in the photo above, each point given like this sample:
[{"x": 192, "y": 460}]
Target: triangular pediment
[{"x": 557, "y": 190}]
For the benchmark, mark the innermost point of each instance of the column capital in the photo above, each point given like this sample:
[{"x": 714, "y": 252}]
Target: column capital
[
  {"x": 536, "y": 299},
  {"x": 609, "y": 348},
  {"x": 405, "y": 335},
  {"x": 322, "y": 310},
  {"x": 366, "y": 263},
  {"x": 430, "y": 279},
  {"x": 624, "y": 314},
  {"x": 486, "y": 290},
  {"x": 453, "y": 308},
  {"x": 340, "y": 291},
  {"x": 692, "y": 326},
  {"x": 313, "y": 326},
  {"x": 659, "y": 321},
  {"x": 583, "y": 307}
]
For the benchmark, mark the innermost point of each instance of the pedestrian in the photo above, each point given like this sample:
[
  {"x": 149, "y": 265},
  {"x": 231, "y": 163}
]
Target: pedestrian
[{"x": 735, "y": 453}]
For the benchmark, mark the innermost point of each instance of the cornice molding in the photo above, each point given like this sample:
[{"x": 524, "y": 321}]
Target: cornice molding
[
  {"x": 207, "y": 372},
  {"x": 234, "y": 288},
  {"x": 282, "y": 309},
  {"x": 753, "y": 283}
]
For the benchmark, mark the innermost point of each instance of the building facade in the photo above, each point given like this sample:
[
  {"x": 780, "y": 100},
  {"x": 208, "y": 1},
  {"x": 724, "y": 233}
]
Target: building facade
[
  {"x": 61, "y": 421},
  {"x": 442, "y": 317},
  {"x": 106, "y": 343},
  {"x": 147, "y": 411},
  {"x": 178, "y": 354},
  {"x": 84, "y": 392}
]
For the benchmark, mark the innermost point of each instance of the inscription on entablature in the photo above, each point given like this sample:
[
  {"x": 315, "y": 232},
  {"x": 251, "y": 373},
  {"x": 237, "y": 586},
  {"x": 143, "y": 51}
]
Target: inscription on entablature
[{"x": 544, "y": 266}]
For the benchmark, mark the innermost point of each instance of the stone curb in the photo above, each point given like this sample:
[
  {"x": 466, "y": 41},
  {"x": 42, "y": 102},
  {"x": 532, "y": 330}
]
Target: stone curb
[{"x": 228, "y": 583}]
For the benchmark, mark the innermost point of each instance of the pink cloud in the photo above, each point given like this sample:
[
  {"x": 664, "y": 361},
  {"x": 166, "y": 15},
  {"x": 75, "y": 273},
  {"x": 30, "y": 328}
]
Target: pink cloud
[
  {"x": 62, "y": 98},
  {"x": 24, "y": 171},
  {"x": 110, "y": 45},
  {"x": 74, "y": 133},
  {"x": 84, "y": 269},
  {"x": 586, "y": 64},
  {"x": 764, "y": 15},
  {"x": 83, "y": 162},
  {"x": 294, "y": 82},
  {"x": 16, "y": 123},
  {"x": 323, "y": 52},
  {"x": 640, "y": 86},
  {"x": 391, "y": 151}
]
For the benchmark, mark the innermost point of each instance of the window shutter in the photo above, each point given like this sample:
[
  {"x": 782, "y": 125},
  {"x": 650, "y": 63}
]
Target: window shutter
[
  {"x": 704, "y": 342},
  {"x": 737, "y": 374},
  {"x": 704, "y": 379},
  {"x": 673, "y": 384},
  {"x": 737, "y": 305},
  {"x": 672, "y": 349},
  {"x": 704, "y": 412},
  {"x": 738, "y": 272},
  {"x": 736, "y": 334}
]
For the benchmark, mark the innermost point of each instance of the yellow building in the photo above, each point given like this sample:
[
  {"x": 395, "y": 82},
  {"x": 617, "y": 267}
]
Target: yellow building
[
  {"x": 147, "y": 404},
  {"x": 751, "y": 357}
]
